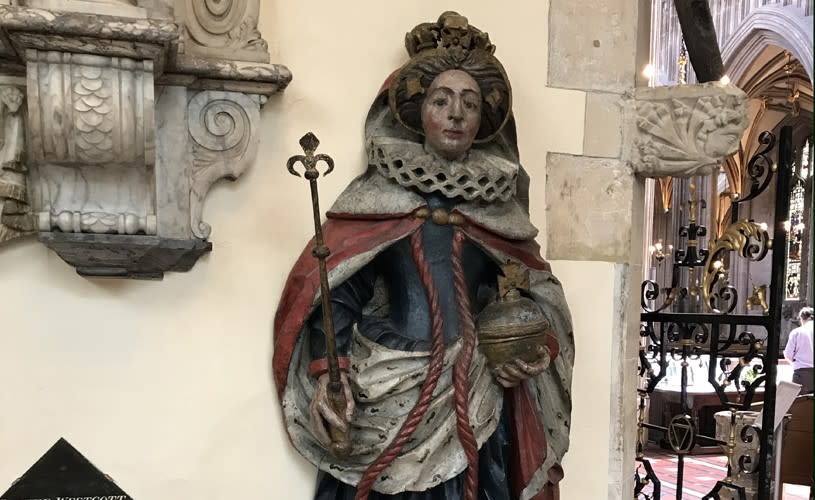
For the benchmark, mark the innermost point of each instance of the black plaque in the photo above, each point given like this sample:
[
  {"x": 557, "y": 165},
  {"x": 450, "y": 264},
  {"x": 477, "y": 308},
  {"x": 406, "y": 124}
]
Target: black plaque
[{"x": 64, "y": 474}]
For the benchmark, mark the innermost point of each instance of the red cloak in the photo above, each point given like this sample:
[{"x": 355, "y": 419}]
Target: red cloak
[{"x": 349, "y": 236}]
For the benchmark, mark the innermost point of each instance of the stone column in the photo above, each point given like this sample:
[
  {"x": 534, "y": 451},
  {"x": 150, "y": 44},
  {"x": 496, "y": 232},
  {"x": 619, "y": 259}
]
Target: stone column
[{"x": 595, "y": 199}]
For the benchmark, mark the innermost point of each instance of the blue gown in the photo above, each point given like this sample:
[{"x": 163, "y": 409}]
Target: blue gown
[{"x": 407, "y": 328}]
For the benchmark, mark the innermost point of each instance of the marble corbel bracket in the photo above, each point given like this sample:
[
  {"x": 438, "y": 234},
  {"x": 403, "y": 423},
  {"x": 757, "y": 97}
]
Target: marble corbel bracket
[
  {"x": 116, "y": 118},
  {"x": 684, "y": 130},
  {"x": 224, "y": 145}
]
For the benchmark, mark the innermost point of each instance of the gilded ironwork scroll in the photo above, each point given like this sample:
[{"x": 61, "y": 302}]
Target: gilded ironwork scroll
[{"x": 694, "y": 320}]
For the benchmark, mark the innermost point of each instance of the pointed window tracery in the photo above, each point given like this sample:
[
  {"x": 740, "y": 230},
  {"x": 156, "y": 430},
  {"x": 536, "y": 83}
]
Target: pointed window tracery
[{"x": 795, "y": 225}]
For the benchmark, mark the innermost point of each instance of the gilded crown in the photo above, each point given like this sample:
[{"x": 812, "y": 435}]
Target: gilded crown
[{"x": 452, "y": 34}]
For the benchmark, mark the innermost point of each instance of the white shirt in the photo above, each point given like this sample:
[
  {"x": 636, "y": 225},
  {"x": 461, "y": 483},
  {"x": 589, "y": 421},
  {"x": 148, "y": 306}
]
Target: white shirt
[{"x": 799, "y": 346}]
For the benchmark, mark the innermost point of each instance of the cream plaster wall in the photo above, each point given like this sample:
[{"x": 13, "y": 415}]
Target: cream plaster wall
[
  {"x": 166, "y": 386},
  {"x": 589, "y": 288}
]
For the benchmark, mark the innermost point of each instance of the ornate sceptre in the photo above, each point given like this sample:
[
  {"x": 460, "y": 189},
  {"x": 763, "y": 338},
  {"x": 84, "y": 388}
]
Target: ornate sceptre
[{"x": 340, "y": 440}]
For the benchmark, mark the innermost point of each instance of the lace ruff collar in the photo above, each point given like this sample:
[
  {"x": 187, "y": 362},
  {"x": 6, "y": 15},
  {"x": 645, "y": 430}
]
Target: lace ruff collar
[{"x": 478, "y": 176}]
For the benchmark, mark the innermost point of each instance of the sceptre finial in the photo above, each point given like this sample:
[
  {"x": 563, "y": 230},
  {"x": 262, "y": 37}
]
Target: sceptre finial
[{"x": 309, "y": 143}]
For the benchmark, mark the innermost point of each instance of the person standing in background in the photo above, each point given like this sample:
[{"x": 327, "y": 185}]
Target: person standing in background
[{"x": 799, "y": 351}]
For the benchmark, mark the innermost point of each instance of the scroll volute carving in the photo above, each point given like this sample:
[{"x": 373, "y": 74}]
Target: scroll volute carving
[
  {"x": 223, "y": 28},
  {"x": 223, "y": 127}
]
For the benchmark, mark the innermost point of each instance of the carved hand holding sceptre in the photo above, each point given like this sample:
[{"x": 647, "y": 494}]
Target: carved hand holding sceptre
[{"x": 332, "y": 402}]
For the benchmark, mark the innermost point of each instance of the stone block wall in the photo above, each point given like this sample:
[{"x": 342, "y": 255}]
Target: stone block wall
[{"x": 594, "y": 198}]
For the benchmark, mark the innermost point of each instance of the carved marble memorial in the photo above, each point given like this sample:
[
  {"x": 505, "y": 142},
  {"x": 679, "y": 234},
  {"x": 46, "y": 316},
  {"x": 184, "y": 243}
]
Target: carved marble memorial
[{"x": 116, "y": 118}]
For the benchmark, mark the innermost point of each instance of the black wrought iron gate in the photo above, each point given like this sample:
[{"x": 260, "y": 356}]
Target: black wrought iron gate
[{"x": 735, "y": 343}]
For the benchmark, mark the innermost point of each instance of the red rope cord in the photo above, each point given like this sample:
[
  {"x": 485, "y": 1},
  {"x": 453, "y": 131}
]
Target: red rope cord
[
  {"x": 461, "y": 370},
  {"x": 431, "y": 379}
]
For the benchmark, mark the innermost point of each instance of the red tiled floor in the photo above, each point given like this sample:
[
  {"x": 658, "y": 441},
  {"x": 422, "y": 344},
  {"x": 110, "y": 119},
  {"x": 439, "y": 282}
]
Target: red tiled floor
[{"x": 701, "y": 472}]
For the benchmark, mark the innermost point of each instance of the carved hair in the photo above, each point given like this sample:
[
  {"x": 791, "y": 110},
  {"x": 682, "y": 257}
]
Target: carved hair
[{"x": 416, "y": 78}]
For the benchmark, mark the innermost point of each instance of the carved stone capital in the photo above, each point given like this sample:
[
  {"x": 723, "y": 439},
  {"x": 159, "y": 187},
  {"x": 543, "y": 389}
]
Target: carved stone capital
[
  {"x": 131, "y": 110},
  {"x": 684, "y": 130}
]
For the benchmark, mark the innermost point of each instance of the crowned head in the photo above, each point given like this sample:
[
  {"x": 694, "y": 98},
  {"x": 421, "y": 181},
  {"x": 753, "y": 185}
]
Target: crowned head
[{"x": 453, "y": 90}]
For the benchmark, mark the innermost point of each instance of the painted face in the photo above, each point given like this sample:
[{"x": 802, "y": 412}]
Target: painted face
[{"x": 451, "y": 114}]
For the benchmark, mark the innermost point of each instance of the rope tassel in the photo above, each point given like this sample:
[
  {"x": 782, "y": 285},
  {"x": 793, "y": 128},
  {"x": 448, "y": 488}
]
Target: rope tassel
[
  {"x": 460, "y": 372},
  {"x": 431, "y": 380}
]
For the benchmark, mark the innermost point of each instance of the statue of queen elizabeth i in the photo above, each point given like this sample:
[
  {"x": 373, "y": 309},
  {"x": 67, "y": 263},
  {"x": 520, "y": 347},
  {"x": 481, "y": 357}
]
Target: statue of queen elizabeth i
[{"x": 453, "y": 336}]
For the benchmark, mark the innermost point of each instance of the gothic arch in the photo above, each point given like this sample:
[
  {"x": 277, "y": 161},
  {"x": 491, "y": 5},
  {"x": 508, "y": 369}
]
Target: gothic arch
[{"x": 783, "y": 26}]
